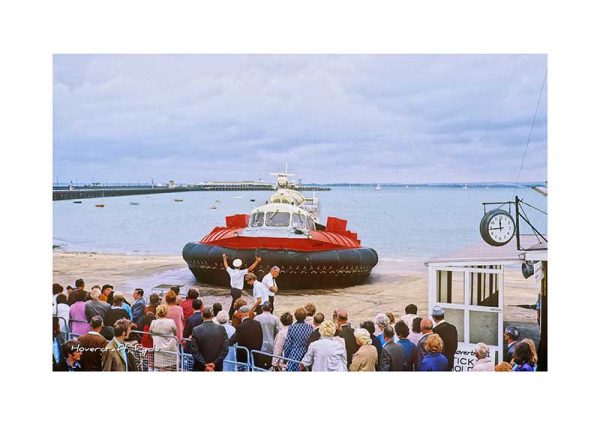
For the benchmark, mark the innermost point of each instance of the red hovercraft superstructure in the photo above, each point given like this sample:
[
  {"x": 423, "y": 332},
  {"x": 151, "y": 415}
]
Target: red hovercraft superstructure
[{"x": 285, "y": 232}]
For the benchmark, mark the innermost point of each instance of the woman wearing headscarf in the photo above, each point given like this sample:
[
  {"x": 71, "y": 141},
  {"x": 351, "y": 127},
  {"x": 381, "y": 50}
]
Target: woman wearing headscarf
[{"x": 365, "y": 359}]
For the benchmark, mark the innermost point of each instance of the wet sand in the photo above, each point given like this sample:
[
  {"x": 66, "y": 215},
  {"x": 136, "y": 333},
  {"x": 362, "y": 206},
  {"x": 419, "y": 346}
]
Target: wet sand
[{"x": 392, "y": 285}]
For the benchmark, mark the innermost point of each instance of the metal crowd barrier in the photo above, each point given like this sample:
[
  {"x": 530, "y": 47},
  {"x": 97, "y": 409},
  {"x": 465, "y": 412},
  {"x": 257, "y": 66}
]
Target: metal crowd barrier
[
  {"x": 234, "y": 365},
  {"x": 237, "y": 366},
  {"x": 64, "y": 330},
  {"x": 176, "y": 361},
  {"x": 133, "y": 331},
  {"x": 75, "y": 335},
  {"x": 271, "y": 356},
  {"x": 149, "y": 360}
]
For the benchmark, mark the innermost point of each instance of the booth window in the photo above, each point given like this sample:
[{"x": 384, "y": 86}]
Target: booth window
[
  {"x": 483, "y": 327},
  {"x": 484, "y": 289},
  {"x": 451, "y": 287},
  {"x": 457, "y": 318}
]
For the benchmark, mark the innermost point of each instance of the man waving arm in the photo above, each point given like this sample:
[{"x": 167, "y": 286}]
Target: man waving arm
[{"x": 253, "y": 265}]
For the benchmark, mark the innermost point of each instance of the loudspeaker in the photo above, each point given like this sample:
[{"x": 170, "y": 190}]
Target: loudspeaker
[{"x": 527, "y": 269}]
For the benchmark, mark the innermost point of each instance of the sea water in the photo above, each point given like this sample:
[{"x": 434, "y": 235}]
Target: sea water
[{"x": 400, "y": 223}]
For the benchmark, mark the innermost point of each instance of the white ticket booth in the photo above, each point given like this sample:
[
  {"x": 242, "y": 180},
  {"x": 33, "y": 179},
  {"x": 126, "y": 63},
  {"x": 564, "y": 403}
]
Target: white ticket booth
[
  {"x": 469, "y": 286},
  {"x": 471, "y": 294}
]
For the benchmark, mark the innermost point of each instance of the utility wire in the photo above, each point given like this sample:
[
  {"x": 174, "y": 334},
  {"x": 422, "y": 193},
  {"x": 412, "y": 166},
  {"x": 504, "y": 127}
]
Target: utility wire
[{"x": 530, "y": 130}]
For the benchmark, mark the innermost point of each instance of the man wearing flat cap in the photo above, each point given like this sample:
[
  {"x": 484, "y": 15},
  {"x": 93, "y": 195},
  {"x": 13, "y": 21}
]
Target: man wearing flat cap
[{"x": 447, "y": 332}]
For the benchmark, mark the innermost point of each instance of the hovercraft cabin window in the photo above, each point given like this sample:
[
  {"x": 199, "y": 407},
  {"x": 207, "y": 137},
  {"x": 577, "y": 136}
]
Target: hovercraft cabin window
[
  {"x": 278, "y": 219},
  {"x": 297, "y": 221},
  {"x": 258, "y": 219}
]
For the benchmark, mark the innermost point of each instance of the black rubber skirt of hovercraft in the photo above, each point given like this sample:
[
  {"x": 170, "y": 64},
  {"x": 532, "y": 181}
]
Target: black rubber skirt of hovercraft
[{"x": 299, "y": 270}]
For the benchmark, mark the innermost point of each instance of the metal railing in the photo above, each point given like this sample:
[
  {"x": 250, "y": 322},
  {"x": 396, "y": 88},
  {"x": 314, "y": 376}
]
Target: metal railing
[
  {"x": 64, "y": 329},
  {"x": 148, "y": 360},
  {"x": 271, "y": 356},
  {"x": 237, "y": 366},
  {"x": 75, "y": 335}
]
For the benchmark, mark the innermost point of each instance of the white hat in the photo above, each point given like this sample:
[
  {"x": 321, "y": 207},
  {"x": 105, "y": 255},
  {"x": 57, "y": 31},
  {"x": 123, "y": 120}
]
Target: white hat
[{"x": 237, "y": 262}]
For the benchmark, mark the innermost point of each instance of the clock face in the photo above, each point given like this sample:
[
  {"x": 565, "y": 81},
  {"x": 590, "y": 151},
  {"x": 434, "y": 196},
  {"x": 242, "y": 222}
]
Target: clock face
[{"x": 497, "y": 227}]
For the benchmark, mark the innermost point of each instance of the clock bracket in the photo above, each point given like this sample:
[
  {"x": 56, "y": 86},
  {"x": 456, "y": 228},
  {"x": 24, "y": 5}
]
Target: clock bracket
[{"x": 519, "y": 215}]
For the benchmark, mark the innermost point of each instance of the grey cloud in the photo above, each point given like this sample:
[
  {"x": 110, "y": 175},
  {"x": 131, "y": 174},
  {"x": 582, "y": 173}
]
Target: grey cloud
[{"x": 333, "y": 118}]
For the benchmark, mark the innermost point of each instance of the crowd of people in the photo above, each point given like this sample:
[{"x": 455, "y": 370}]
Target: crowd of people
[{"x": 99, "y": 330}]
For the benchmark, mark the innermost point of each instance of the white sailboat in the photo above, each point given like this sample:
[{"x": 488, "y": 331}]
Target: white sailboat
[{"x": 378, "y": 187}]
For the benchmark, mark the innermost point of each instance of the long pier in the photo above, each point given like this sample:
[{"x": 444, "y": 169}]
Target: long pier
[{"x": 62, "y": 193}]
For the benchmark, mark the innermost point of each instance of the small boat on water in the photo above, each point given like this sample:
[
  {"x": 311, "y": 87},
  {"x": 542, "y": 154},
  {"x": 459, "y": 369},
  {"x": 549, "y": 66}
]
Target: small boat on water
[
  {"x": 212, "y": 207},
  {"x": 178, "y": 200},
  {"x": 77, "y": 202},
  {"x": 284, "y": 232},
  {"x": 252, "y": 200},
  {"x": 378, "y": 187},
  {"x": 134, "y": 203},
  {"x": 99, "y": 205}
]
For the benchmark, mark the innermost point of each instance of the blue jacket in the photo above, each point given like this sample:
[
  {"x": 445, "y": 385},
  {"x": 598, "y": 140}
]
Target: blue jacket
[
  {"x": 127, "y": 308},
  {"x": 525, "y": 367},
  {"x": 191, "y": 322},
  {"x": 409, "y": 353},
  {"x": 137, "y": 313},
  {"x": 434, "y": 362}
]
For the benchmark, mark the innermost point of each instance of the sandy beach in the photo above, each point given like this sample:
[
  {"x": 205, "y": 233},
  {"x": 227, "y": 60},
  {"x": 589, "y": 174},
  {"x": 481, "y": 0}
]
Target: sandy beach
[{"x": 391, "y": 287}]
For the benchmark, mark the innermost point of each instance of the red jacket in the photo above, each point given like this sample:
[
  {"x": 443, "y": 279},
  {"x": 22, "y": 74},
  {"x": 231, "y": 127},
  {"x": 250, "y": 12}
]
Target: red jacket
[{"x": 147, "y": 339}]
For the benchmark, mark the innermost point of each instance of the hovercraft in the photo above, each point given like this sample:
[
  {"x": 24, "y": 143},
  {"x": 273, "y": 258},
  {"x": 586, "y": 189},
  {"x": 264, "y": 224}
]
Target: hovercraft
[{"x": 285, "y": 232}]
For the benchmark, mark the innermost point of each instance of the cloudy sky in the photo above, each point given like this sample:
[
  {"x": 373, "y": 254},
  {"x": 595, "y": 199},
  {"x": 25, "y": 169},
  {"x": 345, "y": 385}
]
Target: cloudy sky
[{"x": 333, "y": 118}]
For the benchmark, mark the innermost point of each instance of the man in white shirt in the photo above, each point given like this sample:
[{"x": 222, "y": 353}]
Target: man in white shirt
[
  {"x": 236, "y": 276},
  {"x": 269, "y": 282},
  {"x": 409, "y": 317},
  {"x": 260, "y": 292}
]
